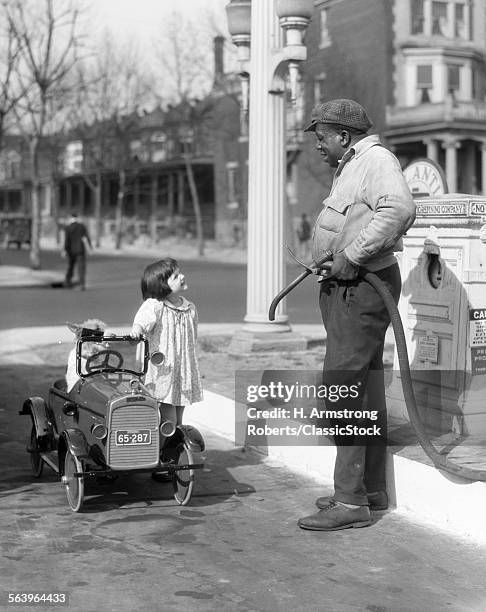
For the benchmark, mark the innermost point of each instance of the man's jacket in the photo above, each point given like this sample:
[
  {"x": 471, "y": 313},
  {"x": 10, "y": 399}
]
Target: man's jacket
[
  {"x": 368, "y": 209},
  {"x": 75, "y": 234}
]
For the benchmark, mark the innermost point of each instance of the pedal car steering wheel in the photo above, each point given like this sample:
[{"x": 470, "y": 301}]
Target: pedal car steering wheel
[{"x": 104, "y": 359}]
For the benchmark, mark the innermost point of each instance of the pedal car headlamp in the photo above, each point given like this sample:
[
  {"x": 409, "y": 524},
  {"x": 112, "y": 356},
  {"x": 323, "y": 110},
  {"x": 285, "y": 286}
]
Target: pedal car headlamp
[
  {"x": 167, "y": 428},
  {"x": 99, "y": 431},
  {"x": 157, "y": 358}
]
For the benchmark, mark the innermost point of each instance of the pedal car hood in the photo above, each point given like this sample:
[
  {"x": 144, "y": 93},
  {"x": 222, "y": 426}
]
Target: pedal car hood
[{"x": 98, "y": 391}]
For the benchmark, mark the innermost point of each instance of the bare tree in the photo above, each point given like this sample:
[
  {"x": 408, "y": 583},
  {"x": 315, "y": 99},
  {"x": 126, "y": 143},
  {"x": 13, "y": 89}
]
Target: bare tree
[
  {"x": 186, "y": 78},
  {"x": 10, "y": 90},
  {"x": 48, "y": 36},
  {"x": 113, "y": 86}
]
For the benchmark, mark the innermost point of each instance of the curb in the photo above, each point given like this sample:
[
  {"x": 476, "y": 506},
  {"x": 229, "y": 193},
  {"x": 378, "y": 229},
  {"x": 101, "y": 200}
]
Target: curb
[
  {"x": 418, "y": 492},
  {"x": 25, "y": 338},
  {"x": 181, "y": 251}
]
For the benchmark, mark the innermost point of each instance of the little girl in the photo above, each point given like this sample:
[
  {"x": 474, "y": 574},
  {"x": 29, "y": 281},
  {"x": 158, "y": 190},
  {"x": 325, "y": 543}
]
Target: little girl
[{"x": 169, "y": 322}]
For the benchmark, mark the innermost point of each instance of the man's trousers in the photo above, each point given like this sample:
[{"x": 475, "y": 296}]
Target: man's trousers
[
  {"x": 78, "y": 259},
  {"x": 356, "y": 320}
]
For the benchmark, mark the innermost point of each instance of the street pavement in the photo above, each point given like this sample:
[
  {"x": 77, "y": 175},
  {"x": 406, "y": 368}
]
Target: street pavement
[
  {"x": 236, "y": 547},
  {"x": 217, "y": 284}
]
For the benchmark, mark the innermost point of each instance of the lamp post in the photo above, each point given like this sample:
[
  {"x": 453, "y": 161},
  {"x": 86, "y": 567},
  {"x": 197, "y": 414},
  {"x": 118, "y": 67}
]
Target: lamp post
[{"x": 276, "y": 34}]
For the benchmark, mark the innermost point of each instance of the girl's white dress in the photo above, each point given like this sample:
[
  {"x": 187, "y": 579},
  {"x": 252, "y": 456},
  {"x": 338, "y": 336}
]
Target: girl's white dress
[{"x": 172, "y": 330}]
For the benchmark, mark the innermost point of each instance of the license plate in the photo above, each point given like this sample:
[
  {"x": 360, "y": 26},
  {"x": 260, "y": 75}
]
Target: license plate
[{"x": 134, "y": 437}]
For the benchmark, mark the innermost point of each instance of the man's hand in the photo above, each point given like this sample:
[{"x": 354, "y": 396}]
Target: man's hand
[{"x": 341, "y": 268}]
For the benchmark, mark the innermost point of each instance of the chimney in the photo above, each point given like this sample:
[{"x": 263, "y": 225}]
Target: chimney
[{"x": 218, "y": 59}]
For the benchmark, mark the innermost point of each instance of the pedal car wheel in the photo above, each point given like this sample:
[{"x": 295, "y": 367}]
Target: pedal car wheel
[
  {"x": 183, "y": 480},
  {"x": 74, "y": 484},
  {"x": 35, "y": 459}
]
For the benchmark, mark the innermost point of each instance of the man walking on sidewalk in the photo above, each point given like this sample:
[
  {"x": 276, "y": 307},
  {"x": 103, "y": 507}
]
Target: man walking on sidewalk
[
  {"x": 76, "y": 243},
  {"x": 367, "y": 211}
]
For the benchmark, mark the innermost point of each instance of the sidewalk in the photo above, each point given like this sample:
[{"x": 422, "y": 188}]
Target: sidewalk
[
  {"x": 20, "y": 276},
  {"x": 180, "y": 249}
]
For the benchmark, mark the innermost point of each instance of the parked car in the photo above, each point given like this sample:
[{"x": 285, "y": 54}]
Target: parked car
[
  {"x": 15, "y": 229},
  {"x": 109, "y": 423}
]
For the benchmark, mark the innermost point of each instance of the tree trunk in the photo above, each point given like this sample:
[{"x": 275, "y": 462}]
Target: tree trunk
[
  {"x": 96, "y": 190},
  {"x": 55, "y": 210},
  {"x": 97, "y": 208},
  {"x": 35, "y": 262},
  {"x": 119, "y": 209},
  {"x": 153, "y": 210},
  {"x": 196, "y": 204}
]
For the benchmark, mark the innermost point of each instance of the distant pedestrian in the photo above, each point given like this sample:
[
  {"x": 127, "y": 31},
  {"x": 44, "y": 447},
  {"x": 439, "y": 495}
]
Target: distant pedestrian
[
  {"x": 169, "y": 322},
  {"x": 304, "y": 235},
  {"x": 76, "y": 243},
  {"x": 236, "y": 231}
]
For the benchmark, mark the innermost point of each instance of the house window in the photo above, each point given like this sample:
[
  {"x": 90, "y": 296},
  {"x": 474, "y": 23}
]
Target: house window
[
  {"x": 231, "y": 168},
  {"x": 73, "y": 157},
  {"x": 424, "y": 82},
  {"x": 13, "y": 165},
  {"x": 460, "y": 22},
  {"x": 476, "y": 83},
  {"x": 417, "y": 16},
  {"x": 171, "y": 148},
  {"x": 439, "y": 19},
  {"x": 325, "y": 38},
  {"x": 448, "y": 18},
  {"x": 138, "y": 151},
  {"x": 453, "y": 77},
  {"x": 424, "y": 76},
  {"x": 9, "y": 165},
  {"x": 186, "y": 147},
  {"x": 158, "y": 142}
]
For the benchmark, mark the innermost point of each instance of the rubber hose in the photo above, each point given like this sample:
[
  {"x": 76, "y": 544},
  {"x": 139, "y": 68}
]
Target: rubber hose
[
  {"x": 327, "y": 256},
  {"x": 440, "y": 461}
]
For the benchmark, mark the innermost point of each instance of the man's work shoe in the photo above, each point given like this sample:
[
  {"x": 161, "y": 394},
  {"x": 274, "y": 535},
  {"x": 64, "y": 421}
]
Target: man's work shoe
[
  {"x": 335, "y": 516},
  {"x": 377, "y": 501}
]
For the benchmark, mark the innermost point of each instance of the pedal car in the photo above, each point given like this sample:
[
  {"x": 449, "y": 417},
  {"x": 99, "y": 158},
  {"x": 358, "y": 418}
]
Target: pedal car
[{"x": 108, "y": 423}]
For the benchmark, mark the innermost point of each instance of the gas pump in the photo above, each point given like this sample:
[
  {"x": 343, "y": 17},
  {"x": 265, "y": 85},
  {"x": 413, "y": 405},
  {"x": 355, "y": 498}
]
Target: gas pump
[
  {"x": 440, "y": 327},
  {"x": 443, "y": 310}
]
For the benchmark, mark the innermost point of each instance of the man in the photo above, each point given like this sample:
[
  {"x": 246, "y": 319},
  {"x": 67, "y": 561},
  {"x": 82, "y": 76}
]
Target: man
[
  {"x": 367, "y": 211},
  {"x": 76, "y": 242},
  {"x": 304, "y": 233}
]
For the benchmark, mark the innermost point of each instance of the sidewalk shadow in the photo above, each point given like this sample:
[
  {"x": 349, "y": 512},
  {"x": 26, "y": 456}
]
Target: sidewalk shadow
[{"x": 213, "y": 485}]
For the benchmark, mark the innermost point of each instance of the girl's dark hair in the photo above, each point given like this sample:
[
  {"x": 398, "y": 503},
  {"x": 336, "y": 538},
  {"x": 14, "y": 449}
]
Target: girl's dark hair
[{"x": 155, "y": 277}]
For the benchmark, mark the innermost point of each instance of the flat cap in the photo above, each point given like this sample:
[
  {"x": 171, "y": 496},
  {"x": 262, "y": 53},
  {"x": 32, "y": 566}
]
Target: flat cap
[{"x": 341, "y": 111}]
